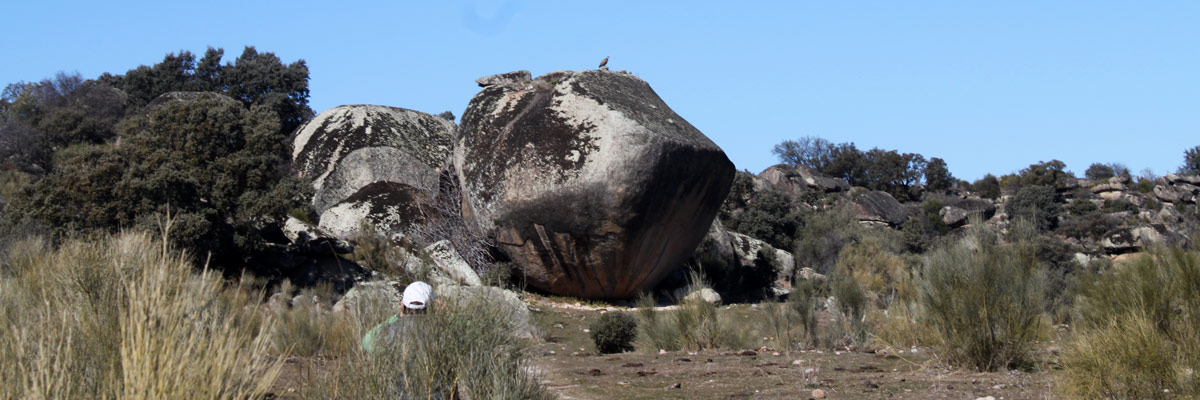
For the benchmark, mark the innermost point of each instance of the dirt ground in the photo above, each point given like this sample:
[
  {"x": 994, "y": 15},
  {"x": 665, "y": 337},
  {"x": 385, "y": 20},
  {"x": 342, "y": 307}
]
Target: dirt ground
[
  {"x": 569, "y": 365},
  {"x": 573, "y": 369}
]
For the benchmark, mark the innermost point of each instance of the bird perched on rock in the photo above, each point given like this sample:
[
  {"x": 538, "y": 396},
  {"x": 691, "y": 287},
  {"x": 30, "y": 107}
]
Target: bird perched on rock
[{"x": 603, "y": 63}]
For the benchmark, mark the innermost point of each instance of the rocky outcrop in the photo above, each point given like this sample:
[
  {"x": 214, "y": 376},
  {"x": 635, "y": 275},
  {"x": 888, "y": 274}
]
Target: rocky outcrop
[
  {"x": 878, "y": 207},
  {"x": 362, "y": 156},
  {"x": 1137, "y": 238},
  {"x": 587, "y": 180},
  {"x": 743, "y": 267},
  {"x": 795, "y": 180},
  {"x": 1178, "y": 189},
  {"x": 958, "y": 212}
]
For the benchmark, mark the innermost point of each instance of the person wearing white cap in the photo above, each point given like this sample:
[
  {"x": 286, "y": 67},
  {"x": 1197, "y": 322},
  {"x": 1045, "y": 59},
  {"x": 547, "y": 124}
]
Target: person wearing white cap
[{"x": 416, "y": 299}]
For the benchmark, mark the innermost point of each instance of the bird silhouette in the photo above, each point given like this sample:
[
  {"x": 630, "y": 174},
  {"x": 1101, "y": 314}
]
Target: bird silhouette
[{"x": 605, "y": 62}]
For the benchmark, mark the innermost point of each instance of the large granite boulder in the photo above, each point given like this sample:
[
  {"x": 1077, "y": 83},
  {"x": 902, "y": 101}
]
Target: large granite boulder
[
  {"x": 589, "y": 182},
  {"x": 878, "y": 207},
  {"x": 365, "y": 156},
  {"x": 796, "y": 180}
]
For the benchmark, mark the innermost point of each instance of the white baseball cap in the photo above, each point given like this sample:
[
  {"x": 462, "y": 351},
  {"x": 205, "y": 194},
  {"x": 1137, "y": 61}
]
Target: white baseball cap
[{"x": 417, "y": 295}]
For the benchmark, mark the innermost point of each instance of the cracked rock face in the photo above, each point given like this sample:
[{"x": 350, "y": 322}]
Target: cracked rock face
[
  {"x": 376, "y": 161},
  {"x": 588, "y": 181}
]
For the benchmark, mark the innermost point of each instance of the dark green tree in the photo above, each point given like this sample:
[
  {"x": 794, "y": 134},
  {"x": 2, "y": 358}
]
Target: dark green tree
[
  {"x": 988, "y": 187},
  {"x": 210, "y": 163},
  {"x": 1048, "y": 173},
  {"x": 1099, "y": 172},
  {"x": 937, "y": 176},
  {"x": 1191, "y": 161}
]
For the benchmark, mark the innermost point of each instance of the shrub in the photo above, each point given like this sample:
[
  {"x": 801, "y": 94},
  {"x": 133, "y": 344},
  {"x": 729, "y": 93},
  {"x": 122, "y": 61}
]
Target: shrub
[
  {"x": 768, "y": 217},
  {"x": 126, "y": 317},
  {"x": 1037, "y": 204},
  {"x": 1112, "y": 206},
  {"x": 1139, "y": 330},
  {"x": 824, "y": 233},
  {"x": 1081, "y": 206},
  {"x": 805, "y": 301},
  {"x": 983, "y": 298},
  {"x": 1089, "y": 226},
  {"x": 614, "y": 332}
]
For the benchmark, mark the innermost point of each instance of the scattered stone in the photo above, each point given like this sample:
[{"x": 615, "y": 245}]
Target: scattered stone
[
  {"x": 871, "y": 385},
  {"x": 646, "y": 373},
  {"x": 677, "y": 385},
  {"x": 748, "y": 353},
  {"x": 633, "y": 365},
  {"x": 595, "y": 372},
  {"x": 818, "y": 394}
]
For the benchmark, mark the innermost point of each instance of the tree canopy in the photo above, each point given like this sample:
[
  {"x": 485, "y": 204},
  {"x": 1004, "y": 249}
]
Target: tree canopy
[{"x": 114, "y": 152}]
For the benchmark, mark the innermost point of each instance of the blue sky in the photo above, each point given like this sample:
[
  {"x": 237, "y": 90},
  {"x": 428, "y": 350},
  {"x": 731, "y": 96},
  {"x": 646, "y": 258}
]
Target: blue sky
[{"x": 987, "y": 86}]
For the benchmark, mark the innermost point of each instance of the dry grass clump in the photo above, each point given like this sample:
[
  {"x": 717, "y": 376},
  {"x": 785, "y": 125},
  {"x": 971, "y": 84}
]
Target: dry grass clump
[
  {"x": 304, "y": 325},
  {"x": 1139, "y": 330},
  {"x": 695, "y": 325},
  {"x": 124, "y": 316}
]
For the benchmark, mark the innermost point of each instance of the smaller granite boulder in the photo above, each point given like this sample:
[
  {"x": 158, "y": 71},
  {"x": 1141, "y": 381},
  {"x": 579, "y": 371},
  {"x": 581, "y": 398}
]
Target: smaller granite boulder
[
  {"x": 706, "y": 295},
  {"x": 957, "y": 213},
  {"x": 494, "y": 300},
  {"x": 372, "y": 295},
  {"x": 878, "y": 207},
  {"x": 450, "y": 263}
]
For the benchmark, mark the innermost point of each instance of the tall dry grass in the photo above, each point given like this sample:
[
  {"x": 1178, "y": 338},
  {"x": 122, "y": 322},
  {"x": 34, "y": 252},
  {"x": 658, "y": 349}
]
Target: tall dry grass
[
  {"x": 124, "y": 316},
  {"x": 1138, "y": 331}
]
